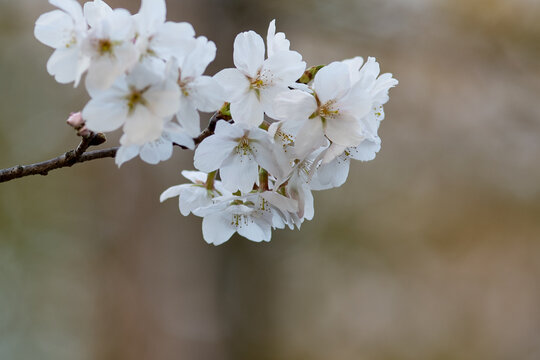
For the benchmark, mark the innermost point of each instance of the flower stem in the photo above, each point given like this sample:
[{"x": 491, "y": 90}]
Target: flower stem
[
  {"x": 263, "y": 180},
  {"x": 210, "y": 180}
]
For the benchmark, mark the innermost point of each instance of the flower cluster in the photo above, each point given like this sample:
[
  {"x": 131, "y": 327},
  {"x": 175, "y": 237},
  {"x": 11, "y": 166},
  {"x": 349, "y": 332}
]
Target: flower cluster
[{"x": 283, "y": 130}]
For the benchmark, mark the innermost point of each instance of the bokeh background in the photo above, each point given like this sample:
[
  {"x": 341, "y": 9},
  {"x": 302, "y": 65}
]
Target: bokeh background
[{"x": 432, "y": 251}]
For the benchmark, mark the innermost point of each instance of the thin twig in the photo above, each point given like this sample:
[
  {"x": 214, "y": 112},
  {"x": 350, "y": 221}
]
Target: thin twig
[{"x": 79, "y": 155}]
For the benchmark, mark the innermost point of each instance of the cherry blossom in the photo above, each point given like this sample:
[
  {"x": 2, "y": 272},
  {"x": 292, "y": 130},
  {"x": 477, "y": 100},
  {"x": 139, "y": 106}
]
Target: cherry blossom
[
  {"x": 238, "y": 151},
  {"x": 199, "y": 194},
  {"x": 252, "y": 86},
  {"x": 64, "y": 30},
  {"x": 198, "y": 92},
  {"x": 158, "y": 150},
  {"x": 145, "y": 74},
  {"x": 139, "y": 102}
]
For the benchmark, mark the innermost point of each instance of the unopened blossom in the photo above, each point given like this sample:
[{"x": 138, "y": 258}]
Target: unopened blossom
[
  {"x": 238, "y": 151},
  {"x": 109, "y": 44},
  {"x": 75, "y": 120},
  {"x": 64, "y": 30},
  {"x": 139, "y": 101},
  {"x": 253, "y": 216},
  {"x": 199, "y": 194},
  {"x": 252, "y": 86},
  {"x": 158, "y": 150},
  {"x": 198, "y": 92}
]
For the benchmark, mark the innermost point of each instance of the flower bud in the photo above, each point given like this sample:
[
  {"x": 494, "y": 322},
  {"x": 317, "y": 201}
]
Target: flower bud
[{"x": 75, "y": 120}]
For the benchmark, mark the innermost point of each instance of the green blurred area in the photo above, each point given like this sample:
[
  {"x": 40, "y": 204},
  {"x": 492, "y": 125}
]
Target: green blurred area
[{"x": 431, "y": 251}]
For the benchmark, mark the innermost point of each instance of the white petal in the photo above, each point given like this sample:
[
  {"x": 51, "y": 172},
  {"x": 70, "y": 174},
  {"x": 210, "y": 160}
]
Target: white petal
[
  {"x": 211, "y": 152},
  {"x": 71, "y": 7},
  {"x": 164, "y": 100},
  {"x": 207, "y": 94},
  {"x": 344, "y": 131},
  {"x": 248, "y": 110},
  {"x": 188, "y": 117},
  {"x": 331, "y": 175},
  {"x": 156, "y": 151},
  {"x": 255, "y": 231},
  {"x": 102, "y": 73},
  {"x": 248, "y": 53},
  {"x": 239, "y": 172},
  {"x": 152, "y": 14},
  {"x": 358, "y": 102},
  {"x": 142, "y": 126},
  {"x": 268, "y": 97},
  {"x": 281, "y": 202},
  {"x": 269, "y": 155},
  {"x": 230, "y": 131},
  {"x": 294, "y": 105},
  {"x": 126, "y": 153},
  {"x": 366, "y": 151},
  {"x": 63, "y": 65},
  {"x": 171, "y": 192},
  {"x": 309, "y": 210},
  {"x": 332, "y": 82},
  {"x": 198, "y": 59},
  {"x": 54, "y": 29},
  {"x": 174, "y": 39},
  {"x": 178, "y": 135},
  {"x": 217, "y": 228},
  {"x": 234, "y": 83},
  {"x": 276, "y": 42},
  {"x": 103, "y": 115},
  {"x": 196, "y": 177},
  {"x": 120, "y": 26},
  {"x": 309, "y": 138},
  {"x": 354, "y": 66},
  {"x": 95, "y": 11},
  {"x": 286, "y": 67},
  {"x": 192, "y": 199}
]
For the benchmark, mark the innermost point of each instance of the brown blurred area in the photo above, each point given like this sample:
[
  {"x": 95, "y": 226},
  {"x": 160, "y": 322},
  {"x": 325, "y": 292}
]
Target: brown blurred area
[{"x": 431, "y": 251}]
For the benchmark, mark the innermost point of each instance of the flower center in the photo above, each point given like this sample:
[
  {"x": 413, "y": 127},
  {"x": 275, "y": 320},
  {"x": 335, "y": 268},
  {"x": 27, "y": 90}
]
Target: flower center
[
  {"x": 135, "y": 97},
  {"x": 243, "y": 147},
  {"x": 105, "y": 46},
  {"x": 327, "y": 110},
  {"x": 184, "y": 84}
]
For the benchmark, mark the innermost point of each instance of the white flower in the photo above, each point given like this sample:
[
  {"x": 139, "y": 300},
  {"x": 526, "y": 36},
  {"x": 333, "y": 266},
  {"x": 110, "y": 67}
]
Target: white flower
[
  {"x": 238, "y": 151},
  {"x": 139, "y": 101},
  {"x": 252, "y": 86},
  {"x": 367, "y": 77},
  {"x": 197, "y": 195},
  {"x": 109, "y": 44},
  {"x": 253, "y": 216},
  {"x": 198, "y": 92},
  {"x": 64, "y": 30},
  {"x": 334, "y": 110},
  {"x": 158, "y": 150}
]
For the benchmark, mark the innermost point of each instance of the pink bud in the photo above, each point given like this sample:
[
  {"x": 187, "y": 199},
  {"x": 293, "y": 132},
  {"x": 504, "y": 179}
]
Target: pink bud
[
  {"x": 75, "y": 120},
  {"x": 84, "y": 132}
]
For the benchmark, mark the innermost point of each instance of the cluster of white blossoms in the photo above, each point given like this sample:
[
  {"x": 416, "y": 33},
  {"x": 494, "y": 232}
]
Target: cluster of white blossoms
[{"x": 283, "y": 131}]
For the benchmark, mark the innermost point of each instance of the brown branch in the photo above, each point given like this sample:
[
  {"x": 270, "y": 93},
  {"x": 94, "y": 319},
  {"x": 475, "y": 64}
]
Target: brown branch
[{"x": 79, "y": 155}]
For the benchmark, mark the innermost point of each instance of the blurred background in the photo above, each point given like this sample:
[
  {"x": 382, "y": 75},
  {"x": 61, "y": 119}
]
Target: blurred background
[{"x": 432, "y": 251}]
